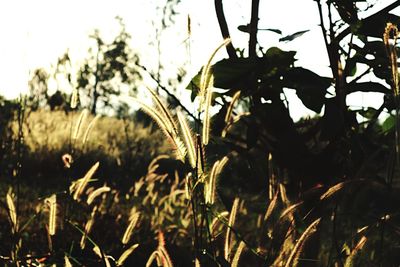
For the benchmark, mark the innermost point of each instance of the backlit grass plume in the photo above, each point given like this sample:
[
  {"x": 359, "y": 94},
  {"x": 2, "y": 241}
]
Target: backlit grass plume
[
  {"x": 391, "y": 31},
  {"x": 188, "y": 138},
  {"x": 88, "y": 228},
  {"x": 132, "y": 223},
  {"x": 292, "y": 260},
  {"x": 231, "y": 221},
  {"x": 12, "y": 212},
  {"x": 229, "y": 111},
  {"x": 126, "y": 254},
  {"x": 84, "y": 181},
  {"x": 96, "y": 193},
  {"x": 207, "y": 115},
  {"x": 78, "y": 125},
  {"x": 164, "y": 120},
  {"x": 160, "y": 254},
  {"x": 205, "y": 74},
  {"x": 354, "y": 251},
  {"x": 89, "y": 128},
  {"x": 52, "y": 203},
  {"x": 210, "y": 184}
]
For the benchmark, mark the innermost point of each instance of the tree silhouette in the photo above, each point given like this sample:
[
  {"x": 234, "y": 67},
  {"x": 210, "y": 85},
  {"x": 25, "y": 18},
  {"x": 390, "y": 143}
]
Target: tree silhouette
[{"x": 107, "y": 68}]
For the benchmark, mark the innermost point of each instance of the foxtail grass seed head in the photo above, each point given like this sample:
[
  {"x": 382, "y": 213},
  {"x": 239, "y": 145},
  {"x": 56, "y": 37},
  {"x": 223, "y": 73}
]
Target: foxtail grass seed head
[
  {"x": 88, "y": 228},
  {"x": 84, "y": 181},
  {"x": 355, "y": 250},
  {"x": 206, "y": 120},
  {"x": 165, "y": 114},
  {"x": 52, "y": 203},
  {"x": 228, "y": 115},
  {"x": 96, "y": 193},
  {"x": 74, "y": 98},
  {"x": 67, "y": 262},
  {"x": 154, "y": 256},
  {"x": 239, "y": 250},
  {"x": 165, "y": 125},
  {"x": 129, "y": 230},
  {"x": 67, "y": 160},
  {"x": 206, "y": 73},
  {"x": 89, "y": 128},
  {"x": 12, "y": 212},
  {"x": 78, "y": 125},
  {"x": 271, "y": 206},
  {"x": 391, "y": 32},
  {"x": 231, "y": 221},
  {"x": 299, "y": 244},
  {"x": 290, "y": 209},
  {"x": 188, "y": 138},
  {"x": 126, "y": 254},
  {"x": 332, "y": 190},
  {"x": 210, "y": 185}
]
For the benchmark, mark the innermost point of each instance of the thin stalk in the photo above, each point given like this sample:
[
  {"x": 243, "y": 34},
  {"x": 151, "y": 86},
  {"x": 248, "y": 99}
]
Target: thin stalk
[{"x": 253, "y": 28}]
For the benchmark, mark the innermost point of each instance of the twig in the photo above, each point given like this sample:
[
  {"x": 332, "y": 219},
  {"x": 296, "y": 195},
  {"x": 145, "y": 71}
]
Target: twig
[
  {"x": 177, "y": 101},
  {"x": 219, "y": 9},
  {"x": 253, "y": 28},
  {"x": 381, "y": 12}
]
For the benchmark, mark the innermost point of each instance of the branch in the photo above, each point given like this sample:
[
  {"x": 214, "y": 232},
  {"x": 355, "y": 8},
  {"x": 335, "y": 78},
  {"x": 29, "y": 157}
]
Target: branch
[
  {"x": 381, "y": 12},
  {"x": 178, "y": 102},
  {"x": 253, "y": 28},
  {"x": 219, "y": 9}
]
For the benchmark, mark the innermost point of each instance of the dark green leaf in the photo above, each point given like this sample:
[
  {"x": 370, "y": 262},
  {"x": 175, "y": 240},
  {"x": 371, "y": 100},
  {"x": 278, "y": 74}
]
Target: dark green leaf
[
  {"x": 374, "y": 26},
  {"x": 310, "y": 87},
  {"x": 389, "y": 124}
]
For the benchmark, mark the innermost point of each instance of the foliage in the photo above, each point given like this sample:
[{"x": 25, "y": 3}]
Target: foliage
[
  {"x": 108, "y": 67},
  {"x": 247, "y": 186}
]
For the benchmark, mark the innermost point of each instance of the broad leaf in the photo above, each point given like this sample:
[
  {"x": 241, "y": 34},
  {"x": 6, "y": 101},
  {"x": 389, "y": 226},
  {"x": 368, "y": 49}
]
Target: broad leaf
[
  {"x": 388, "y": 124},
  {"x": 310, "y": 87}
]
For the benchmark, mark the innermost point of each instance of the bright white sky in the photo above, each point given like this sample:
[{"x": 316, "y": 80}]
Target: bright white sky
[{"x": 35, "y": 33}]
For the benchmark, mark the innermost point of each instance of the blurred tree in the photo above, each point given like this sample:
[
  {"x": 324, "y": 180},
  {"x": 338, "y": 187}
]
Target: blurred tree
[
  {"x": 107, "y": 69},
  {"x": 38, "y": 87}
]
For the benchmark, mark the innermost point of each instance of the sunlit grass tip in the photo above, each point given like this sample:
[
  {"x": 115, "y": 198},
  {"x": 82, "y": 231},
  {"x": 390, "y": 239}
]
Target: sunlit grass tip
[
  {"x": 188, "y": 138},
  {"x": 89, "y": 128},
  {"x": 134, "y": 218},
  {"x": 205, "y": 74},
  {"x": 52, "y": 203},
  {"x": 78, "y": 125},
  {"x": 207, "y": 115},
  {"x": 12, "y": 212},
  {"x": 96, "y": 193},
  {"x": 300, "y": 242},
  {"x": 231, "y": 221},
  {"x": 84, "y": 181},
  {"x": 126, "y": 254}
]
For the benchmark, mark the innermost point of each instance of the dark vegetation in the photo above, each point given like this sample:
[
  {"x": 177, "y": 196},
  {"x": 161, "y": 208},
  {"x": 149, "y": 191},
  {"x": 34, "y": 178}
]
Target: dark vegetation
[{"x": 322, "y": 191}]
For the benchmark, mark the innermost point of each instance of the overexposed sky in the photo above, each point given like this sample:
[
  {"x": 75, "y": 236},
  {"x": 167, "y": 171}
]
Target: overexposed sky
[{"x": 35, "y": 33}]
